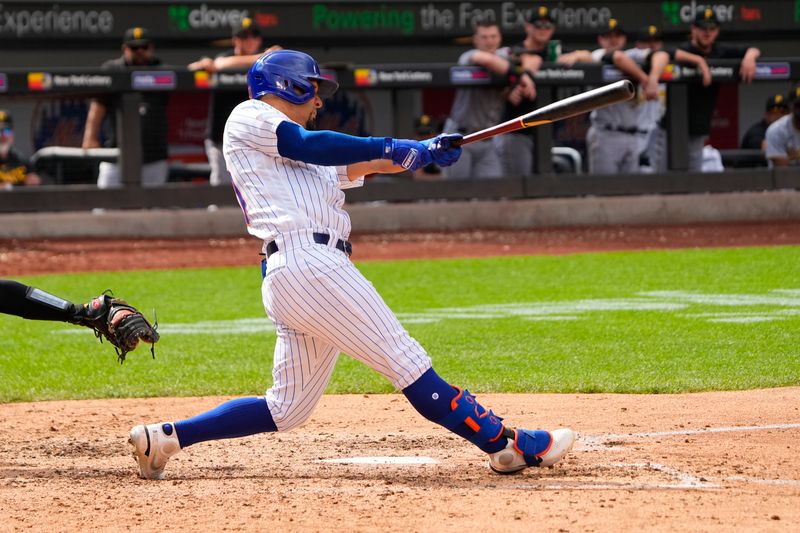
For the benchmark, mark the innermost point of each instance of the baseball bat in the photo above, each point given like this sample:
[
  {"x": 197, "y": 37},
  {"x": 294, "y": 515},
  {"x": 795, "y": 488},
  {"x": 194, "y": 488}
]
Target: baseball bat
[{"x": 610, "y": 94}]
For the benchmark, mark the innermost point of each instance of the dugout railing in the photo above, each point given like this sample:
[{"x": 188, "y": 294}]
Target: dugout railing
[{"x": 128, "y": 87}]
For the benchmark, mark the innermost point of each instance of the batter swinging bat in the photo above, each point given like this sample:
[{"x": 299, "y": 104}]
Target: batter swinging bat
[{"x": 606, "y": 95}]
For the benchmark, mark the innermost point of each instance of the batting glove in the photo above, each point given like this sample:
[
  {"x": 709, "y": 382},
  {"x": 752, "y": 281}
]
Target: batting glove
[
  {"x": 442, "y": 150},
  {"x": 409, "y": 154}
]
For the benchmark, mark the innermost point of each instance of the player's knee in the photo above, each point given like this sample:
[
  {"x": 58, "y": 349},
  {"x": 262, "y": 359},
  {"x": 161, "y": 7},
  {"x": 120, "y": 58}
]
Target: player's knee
[{"x": 291, "y": 417}]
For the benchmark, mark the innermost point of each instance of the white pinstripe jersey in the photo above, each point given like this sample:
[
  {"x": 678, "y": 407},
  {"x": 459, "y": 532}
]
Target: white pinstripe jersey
[
  {"x": 319, "y": 301},
  {"x": 638, "y": 113},
  {"x": 280, "y": 195}
]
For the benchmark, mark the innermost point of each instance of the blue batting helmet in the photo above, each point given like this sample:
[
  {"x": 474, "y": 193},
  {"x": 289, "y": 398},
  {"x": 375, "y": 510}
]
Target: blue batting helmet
[{"x": 288, "y": 75}]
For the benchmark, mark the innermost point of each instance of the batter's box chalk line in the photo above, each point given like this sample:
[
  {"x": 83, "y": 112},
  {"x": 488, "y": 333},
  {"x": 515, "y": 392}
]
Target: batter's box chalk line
[
  {"x": 677, "y": 480},
  {"x": 590, "y": 443},
  {"x": 383, "y": 460}
]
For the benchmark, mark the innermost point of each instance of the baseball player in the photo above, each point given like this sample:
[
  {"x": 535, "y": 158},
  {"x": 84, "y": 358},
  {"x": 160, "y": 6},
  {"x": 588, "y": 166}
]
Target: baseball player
[
  {"x": 702, "y": 99},
  {"x": 121, "y": 324},
  {"x": 138, "y": 51},
  {"x": 783, "y": 136},
  {"x": 478, "y": 108},
  {"x": 287, "y": 179},
  {"x": 516, "y": 148},
  {"x": 247, "y": 47},
  {"x": 615, "y": 138},
  {"x": 755, "y": 138}
]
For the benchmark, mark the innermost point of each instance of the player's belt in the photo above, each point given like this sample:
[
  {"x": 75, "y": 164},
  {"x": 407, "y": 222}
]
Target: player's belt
[
  {"x": 623, "y": 130},
  {"x": 319, "y": 238}
]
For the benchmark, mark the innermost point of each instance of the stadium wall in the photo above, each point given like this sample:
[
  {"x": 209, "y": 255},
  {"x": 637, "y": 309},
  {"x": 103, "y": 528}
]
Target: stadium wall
[{"x": 442, "y": 216}]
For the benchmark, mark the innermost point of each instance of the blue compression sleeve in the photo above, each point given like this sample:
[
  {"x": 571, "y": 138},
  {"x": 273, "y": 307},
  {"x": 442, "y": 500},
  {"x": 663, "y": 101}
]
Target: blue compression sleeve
[
  {"x": 234, "y": 418},
  {"x": 327, "y": 148}
]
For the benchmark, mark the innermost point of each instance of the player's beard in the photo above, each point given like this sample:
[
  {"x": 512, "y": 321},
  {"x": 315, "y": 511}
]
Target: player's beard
[{"x": 311, "y": 123}]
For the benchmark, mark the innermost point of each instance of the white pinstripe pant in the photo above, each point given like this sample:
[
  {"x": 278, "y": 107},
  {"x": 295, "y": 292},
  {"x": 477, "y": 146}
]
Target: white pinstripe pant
[{"x": 321, "y": 305}]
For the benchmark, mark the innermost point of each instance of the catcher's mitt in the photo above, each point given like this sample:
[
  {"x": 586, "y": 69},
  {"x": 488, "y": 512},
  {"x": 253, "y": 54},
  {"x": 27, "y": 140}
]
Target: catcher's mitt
[{"x": 121, "y": 324}]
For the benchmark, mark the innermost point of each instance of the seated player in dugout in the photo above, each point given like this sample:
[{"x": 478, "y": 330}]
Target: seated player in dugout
[
  {"x": 247, "y": 47},
  {"x": 783, "y": 135},
  {"x": 14, "y": 169},
  {"x": 288, "y": 179},
  {"x": 755, "y": 137}
]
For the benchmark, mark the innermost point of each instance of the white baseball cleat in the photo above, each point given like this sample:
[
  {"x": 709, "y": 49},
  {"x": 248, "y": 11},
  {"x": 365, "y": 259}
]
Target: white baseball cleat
[
  {"x": 153, "y": 445},
  {"x": 532, "y": 448}
]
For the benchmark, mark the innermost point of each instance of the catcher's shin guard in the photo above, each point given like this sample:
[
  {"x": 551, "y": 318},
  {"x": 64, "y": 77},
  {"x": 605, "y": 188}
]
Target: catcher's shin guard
[{"x": 485, "y": 429}]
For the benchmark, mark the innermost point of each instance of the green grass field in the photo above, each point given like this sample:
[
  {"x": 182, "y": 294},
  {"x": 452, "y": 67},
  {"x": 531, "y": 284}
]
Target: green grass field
[{"x": 643, "y": 322}]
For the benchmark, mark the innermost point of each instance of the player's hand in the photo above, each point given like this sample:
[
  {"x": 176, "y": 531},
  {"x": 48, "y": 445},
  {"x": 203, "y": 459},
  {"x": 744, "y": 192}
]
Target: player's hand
[
  {"x": 528, "y": 87},
  {"x": 651, "y": 89},
  {"x": 205, "y": 63},
  {"x": 442, "y": 148},
  {"x": 90, "y": 143},
  {"x": 407, "y": 153},
  {"x": 747, "y": 70},
  {"x": 706, "y": 72},
  {"x": 515, "y": 95}
]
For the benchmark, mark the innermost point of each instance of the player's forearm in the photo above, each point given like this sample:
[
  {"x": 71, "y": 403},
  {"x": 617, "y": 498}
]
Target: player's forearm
[
  {"x": 682, "y": 56},
  {"x": 377, "y": 166},
  {"x": 752, "y": 54},
  {"x": 779, "y": 161},
  {"x": 576, "y": 56},
  {"x": 235, "y": 62},
  {"x": 490, "y": 61},
  {"x": 628, "y": 66},
  {"x": 94, "y": 118},
  {"x": 658, "y": 62}
]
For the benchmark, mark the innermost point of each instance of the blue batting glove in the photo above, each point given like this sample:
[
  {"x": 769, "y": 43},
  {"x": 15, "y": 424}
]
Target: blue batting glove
[
  {"x": 442, "y": 150},
  {"x": 407, "y": 153}
]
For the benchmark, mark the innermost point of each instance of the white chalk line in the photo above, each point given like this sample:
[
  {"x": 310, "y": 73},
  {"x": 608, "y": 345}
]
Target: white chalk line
[
  {"x": 759, "y": 481},
  {"x": 682, "y": 480},
  {"x": 778, "y": 304},
  {"x": 588, "y": 443},
  {"x": 383, "y": 460},
  {"x": 685, "y": 480}
]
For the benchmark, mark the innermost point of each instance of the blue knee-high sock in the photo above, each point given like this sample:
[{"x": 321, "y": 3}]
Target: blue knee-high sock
[
  {"x": 431, "y": 396},
  {"x": 236, "y": 418}
]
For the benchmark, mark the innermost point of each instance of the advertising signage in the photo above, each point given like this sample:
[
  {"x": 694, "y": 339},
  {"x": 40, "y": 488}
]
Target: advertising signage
[{"x": 191, "y": 20}]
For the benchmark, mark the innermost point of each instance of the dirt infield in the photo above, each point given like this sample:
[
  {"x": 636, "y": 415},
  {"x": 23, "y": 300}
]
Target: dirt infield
[
  {"x": 86, "y": 255},
  {"x": 723, "y": 461},
  {"x": 718, "y": 462}
]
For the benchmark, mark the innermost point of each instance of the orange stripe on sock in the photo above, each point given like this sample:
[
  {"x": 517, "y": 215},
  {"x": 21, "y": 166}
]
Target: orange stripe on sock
[{"x": 472, "y": 424}]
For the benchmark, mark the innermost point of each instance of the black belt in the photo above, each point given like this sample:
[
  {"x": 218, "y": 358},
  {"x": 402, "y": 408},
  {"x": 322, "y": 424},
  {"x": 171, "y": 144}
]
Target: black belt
[
  {"x": 319, "y": 238},
  {"x": 623, "y": 130}
]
